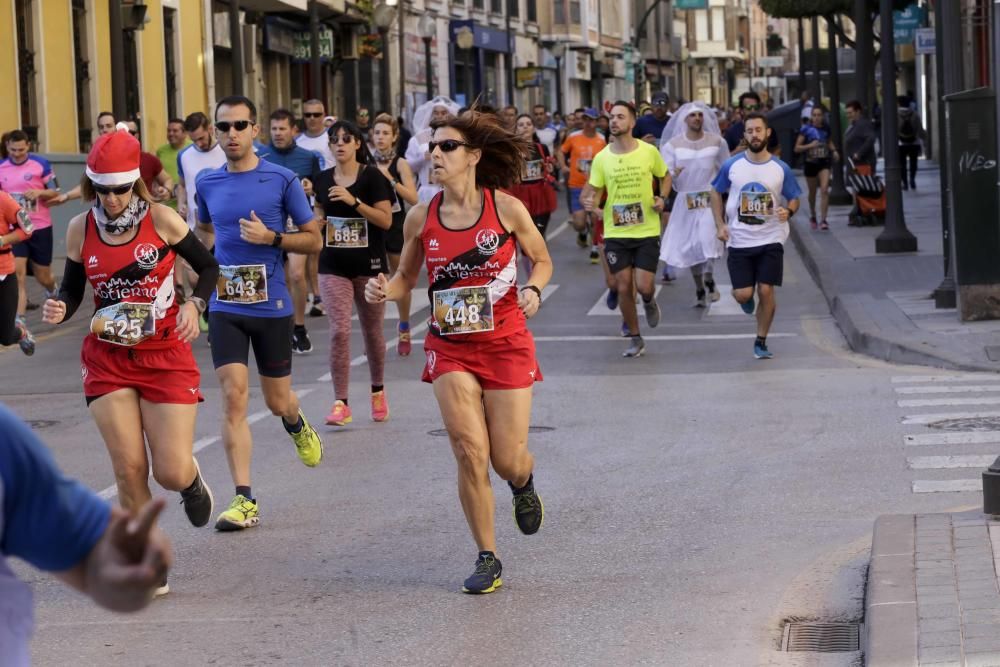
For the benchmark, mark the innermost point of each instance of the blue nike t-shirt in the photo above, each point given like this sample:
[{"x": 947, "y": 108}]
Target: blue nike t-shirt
[{"x": 252, "y": 277}]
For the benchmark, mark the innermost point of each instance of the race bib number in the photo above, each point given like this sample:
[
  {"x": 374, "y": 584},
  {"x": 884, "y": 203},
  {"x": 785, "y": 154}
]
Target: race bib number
[
  {"x": 243, "y": 283},
  {"x": 627, "y": 215},
  {"x": 29, "y": 205},
  {"x": 346, "y": 232},
  {"x": 818, "y": 153},
  {"x": 463, "y": 310},
  {"x": 533, "y": 170},
  {"x": 698, "y": 200},
  {"x": 583, "y": 166},
  {"x": 124, "y": 323},
  {"x": 756, "y": 208}
]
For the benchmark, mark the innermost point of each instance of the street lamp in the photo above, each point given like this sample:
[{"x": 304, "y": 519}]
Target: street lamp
[
  {"x": 558, "y": 50},
  {"x": 713, "y": 63},
  {"x": 427, "y": 27},
  {"x": 383, "y": 17}
]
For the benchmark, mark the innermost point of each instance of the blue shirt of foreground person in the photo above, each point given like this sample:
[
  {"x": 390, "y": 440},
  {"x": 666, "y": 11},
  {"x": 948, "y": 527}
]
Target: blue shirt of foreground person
[{"x": 58, "y": 525}]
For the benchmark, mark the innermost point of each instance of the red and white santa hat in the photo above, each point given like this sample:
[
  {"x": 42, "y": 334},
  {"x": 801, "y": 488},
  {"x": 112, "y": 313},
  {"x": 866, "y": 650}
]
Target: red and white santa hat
[{"x": 114, "y": 159}]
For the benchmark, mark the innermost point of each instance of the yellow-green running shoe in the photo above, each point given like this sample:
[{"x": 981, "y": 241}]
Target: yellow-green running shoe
[
  {"x": 308, "y": 443},
  {"x": 242, "y": 513}
]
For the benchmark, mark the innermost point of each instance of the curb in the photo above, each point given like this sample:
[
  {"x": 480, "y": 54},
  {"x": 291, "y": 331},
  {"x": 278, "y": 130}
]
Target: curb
[{"x": 891, "y": 625}]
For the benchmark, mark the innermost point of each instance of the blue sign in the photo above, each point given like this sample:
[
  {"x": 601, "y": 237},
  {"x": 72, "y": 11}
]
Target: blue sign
[
  {"x": 489, "y": 39},
  {"x": 690, "y": 4},
  {"x": 905, "y": 24}
]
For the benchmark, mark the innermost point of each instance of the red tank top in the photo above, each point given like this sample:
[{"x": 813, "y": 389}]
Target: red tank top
[
  {"x": 133, "y": 287},
  {"x": 472, "y": 274}
]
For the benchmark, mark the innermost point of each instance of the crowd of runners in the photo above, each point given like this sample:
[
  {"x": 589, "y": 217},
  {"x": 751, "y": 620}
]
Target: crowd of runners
[{"x": 219, "y": 233}]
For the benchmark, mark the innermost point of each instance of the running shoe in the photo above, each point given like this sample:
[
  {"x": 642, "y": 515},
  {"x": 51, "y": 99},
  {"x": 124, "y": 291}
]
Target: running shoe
[
  {"x": 824, "y": 226},
  {"x": 340, "y": 414},
  {"x": 611, "y": 300},
  {"x": 26, "y": 342},
  {"x": 581, "y": 239},
  {"x": 748, "y": 307},
  {"x": 636, "y": 348},
  {"x": 529, "y": 512},
  {"x": 595, "y": 257},
  {"x": 625, "y": 332},
  {"x": 699, "y": 299},
  {"x": 300, "y": 341},
  {"x": 486, "y": 577},
  {"x": 242, "y": 513},
  {"x": 380, "y": 407},
  {"x": 713, "y": 293},
  {"x": 403, "y": 346},
  {"x": 812, "y": 222},
  {"x": 317, "y": 308},
  {"x": 760, "y": 351},
  {"x": 308, "y": 444},
  {"x": 162, "y": 589},
  {"x": 652, "y": 311},
  {"x": 666, "y": 277},
  {"x": 198, "y": 502}
]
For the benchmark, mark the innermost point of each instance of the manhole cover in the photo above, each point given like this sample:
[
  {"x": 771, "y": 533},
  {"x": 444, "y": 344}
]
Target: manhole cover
[
  {"x": 39, "y": 424},
  {"x": 443, "y": 433},
  {"x": 967, "y": 424},
  {"x": 823, "y": 637}
]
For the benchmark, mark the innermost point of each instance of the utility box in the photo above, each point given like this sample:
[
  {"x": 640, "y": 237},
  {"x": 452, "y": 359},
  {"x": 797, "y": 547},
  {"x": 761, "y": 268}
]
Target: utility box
[{"x": 974, "y": 194}]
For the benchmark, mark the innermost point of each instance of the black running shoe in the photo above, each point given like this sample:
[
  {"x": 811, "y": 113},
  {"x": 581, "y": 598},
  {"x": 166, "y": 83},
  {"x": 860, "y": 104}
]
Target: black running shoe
[
  {"x": 528, "y": 509},
  {"x": 300, "y": 342},
  {"x": 198, "y": 502},
  {"x": 486, "y": 578}
]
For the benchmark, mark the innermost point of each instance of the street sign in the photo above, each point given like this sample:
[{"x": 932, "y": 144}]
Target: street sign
[
  {"x": 925, "y": 42},
  {"x": 905, "y": 24},
  {"x": 690, "y": 4},
  {"x": 770, "y": 61}
]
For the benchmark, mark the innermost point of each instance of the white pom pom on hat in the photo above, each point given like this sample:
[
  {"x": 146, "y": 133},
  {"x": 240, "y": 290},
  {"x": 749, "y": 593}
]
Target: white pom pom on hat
[{"x": 114, "y": 159}]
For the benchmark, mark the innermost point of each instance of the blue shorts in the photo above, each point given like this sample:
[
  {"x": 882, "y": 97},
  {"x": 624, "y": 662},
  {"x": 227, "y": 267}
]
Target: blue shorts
[
  {"x": 38, "y": 247},
  {"x": 574, "y": 200}
]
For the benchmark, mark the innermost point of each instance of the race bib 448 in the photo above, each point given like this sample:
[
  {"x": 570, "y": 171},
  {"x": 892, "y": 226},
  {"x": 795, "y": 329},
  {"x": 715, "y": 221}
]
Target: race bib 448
[{"x": 463, "y": 310}]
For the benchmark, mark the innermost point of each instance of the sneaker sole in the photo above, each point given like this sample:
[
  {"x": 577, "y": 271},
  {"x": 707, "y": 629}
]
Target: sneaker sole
[
  {"x": 345, "y": 422},
  {"x": 383, "y": 419},
  {"x": 226, "y": 526},
  {"x": 634, "y": 356},
  {"x": 540, "y": 522},
  {"x": 211, "y": 499},
  {"x": 496, "y": 584},
  {"x": 763, "y": 356},
  {"x": 161, "y": 591},
  {"x": 715, "y": 296}
]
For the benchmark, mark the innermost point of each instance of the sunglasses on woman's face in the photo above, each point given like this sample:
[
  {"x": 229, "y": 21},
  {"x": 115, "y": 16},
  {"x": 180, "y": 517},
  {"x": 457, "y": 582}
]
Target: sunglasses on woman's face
[
  {"x": 117, "y": 190},
  {"x": 240, "y": 125},
  {"x": 446, "y": 146},
  {"x": 342, "y": 139}
]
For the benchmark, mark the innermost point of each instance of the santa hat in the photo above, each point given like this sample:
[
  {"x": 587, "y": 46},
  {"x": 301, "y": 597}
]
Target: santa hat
[{"x": 114, "y": 159}]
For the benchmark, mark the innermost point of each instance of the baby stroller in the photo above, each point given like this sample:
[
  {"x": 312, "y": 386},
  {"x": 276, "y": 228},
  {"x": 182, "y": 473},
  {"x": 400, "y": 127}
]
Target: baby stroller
[{"x": 869, "y": 196}]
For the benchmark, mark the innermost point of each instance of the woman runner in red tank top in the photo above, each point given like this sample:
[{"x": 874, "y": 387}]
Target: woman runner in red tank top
[
  {"x": 140, "y": 378},
  {"x": 480, "y": 354}
]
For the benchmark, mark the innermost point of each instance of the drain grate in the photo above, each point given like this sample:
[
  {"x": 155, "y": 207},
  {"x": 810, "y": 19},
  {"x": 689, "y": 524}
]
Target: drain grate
[
  {"x": 822, "y": 637},
  {"x": 967, "y": 424},
  {"x": 443, "y": 433}
]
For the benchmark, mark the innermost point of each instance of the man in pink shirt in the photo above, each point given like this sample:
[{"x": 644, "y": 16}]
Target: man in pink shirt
[{"x": 29, "y": 179}]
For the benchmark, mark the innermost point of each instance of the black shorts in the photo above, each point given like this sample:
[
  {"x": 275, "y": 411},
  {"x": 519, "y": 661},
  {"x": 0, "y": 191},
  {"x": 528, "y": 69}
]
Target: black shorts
[
  {"x": 38, "y": 247},
  {"x": 759, "y": 264},
  {"x": 271, "y": 337},
  {"x": 641, "y": 253},
  {"x": 394, "y": 236},
  {"x": 812, "y": 169}
]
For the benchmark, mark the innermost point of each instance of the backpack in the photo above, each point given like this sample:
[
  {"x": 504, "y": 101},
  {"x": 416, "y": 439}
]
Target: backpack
[{"x": 907, "y": 128}]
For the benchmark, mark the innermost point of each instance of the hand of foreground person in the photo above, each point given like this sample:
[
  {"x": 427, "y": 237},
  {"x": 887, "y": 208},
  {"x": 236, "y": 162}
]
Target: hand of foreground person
[
  {"x": 528, "y": 301},
  {"x": 376, "y": 289},
  {"x": 187, "y": 322},
  {"x": 53, "y": 311},
  {"x": 254, "y": 231},
  {"x": 782, "y": 214}
]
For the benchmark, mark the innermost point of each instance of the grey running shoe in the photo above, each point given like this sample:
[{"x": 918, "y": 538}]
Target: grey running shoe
[
  {"x": 198, "y": 502},
  {"x": 636, "y": 348},
  {"x": 486, "y": 577},
  {"x": 652, "y": 311}
]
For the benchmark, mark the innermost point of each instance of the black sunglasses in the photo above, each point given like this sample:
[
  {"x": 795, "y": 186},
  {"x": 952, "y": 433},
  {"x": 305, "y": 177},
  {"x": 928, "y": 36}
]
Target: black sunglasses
[
  {"x": 750, "y": 107},
  {"x": 446, "y": 146},
  {"x": 312, "y": 115},
  {"x": 117, "y": 190},
  {"x": 343, "y": 139},
  {"x": 240, "y": 125}
]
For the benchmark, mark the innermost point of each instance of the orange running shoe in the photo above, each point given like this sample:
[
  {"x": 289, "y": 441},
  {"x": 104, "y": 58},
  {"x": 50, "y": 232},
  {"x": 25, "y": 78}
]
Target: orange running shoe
[
  {"x": 339, "y": 415},
  {"x": 380, "y": 406}
]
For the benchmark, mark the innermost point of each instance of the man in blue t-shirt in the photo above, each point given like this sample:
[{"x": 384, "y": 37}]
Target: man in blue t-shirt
[
  {"x": 649, "y": 127},
  {"x": 302, "y": 269},
  {"x": 763, "y": 195},
  {"x": 247, "y": 202},
  {"x": 58, "y": 525}
]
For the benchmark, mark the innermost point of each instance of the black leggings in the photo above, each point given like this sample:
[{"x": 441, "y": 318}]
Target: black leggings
[
  {"x": 9, "y": 334},
  {"x": 542, "y": 222},
  {"x": 908, "y": 153}
]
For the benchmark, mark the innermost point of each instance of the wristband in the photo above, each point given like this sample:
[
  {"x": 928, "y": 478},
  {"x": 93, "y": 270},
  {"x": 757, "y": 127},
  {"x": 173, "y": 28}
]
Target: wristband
[
  {"x": 533, "y": 289},
  {"x": 199, "y": 303}
]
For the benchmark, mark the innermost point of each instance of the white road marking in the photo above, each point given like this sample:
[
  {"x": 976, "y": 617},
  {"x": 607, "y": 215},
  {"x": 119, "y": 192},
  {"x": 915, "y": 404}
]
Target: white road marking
[
  {"x": 601, "y": 307},
  {"x": 946, "y": 485},
  {"x": 202, "y": 443},
  {"x": 929, "y": 402},
  {"x": 748, "y": 336},
  {"x": 960, "y": 389},
  {"x": 970, "y": 438},
  {"x": 971, "y": 377},
  {"x": 947, "y": 462},
  {"x": 726, "y": 305},
  {"x": 558, "y": 230},
  {"x": 940, "y": 416}
]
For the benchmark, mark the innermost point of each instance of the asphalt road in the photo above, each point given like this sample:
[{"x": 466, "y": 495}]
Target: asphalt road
[{"x": 696, "y": 498}]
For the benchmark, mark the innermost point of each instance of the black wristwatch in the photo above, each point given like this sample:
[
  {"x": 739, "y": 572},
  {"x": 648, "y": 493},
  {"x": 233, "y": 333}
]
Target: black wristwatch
[
  {"x": 276, "y": 243},
  {"x": 533, "y": 289}
]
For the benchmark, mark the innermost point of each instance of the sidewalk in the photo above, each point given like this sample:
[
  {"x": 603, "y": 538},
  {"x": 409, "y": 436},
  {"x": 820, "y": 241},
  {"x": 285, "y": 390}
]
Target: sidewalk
[{"x": 883, "y": 303}]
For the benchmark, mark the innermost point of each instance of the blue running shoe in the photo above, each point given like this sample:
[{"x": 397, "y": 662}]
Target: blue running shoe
[
  {"x": 625, "y": 332},
  {"x": 748, "y": 307},
  {"x": 612, "y": 299},
  {"x": 760, "y": 351}
]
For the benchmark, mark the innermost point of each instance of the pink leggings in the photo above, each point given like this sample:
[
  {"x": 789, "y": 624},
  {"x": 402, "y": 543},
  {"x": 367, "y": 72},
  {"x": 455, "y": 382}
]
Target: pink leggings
[{"x": 338, "y": 295}]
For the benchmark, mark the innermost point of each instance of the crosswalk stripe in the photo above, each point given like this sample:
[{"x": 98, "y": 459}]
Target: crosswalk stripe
[
  {"x": 746, "y": 336},
  {"x": 946, "y": 485},
  {"x": 960, "y": 389},
  {"x": 942, "y": 416},
  {"x": 945, "y": 462},
  {"x": 601, "y": 307},
  {"x": 930, "y": 402},
  {"x": 971, "y": 377},
  {"x": 969, "y": 438}
]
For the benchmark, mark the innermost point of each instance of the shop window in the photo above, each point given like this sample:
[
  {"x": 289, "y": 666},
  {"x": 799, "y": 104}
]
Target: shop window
[
  {"x": 81, "y": 63},
  {"x": 170, "y": 59},
  {"x": 25, "y": 29}
]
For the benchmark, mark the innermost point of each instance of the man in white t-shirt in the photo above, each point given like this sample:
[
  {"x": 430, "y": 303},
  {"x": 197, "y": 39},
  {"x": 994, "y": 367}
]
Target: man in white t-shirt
[
  {"x": 543, "y": 127},
  {"x": 203, "y": 153},
  {"x": 315, "y": 138},
  {"x": 763, "y": 195}
]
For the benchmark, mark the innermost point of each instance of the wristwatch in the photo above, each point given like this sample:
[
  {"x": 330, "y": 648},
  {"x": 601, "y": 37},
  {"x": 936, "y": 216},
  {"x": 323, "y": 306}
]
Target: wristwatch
[
  {"x": 276, "y": 243},
  {"x": 199, "y": 303},
  {"x": 393, "y": 182}
]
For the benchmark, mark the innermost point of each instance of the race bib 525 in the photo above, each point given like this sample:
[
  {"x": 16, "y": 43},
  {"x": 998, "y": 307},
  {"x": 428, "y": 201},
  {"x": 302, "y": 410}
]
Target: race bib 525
[{"x": 124, "y": 323}]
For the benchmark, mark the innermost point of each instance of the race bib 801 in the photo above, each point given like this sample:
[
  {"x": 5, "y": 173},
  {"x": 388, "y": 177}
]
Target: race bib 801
[
  {"x": 756, "y": 208},
  {"x": 463, "y": 310},
  {"x": 243, "y": 283},
  {"x": 346, "y": 232}
]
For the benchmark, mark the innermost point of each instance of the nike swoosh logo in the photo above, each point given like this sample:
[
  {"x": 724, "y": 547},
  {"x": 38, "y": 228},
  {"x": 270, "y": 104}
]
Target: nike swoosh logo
[{"x": 263, "y": 180}]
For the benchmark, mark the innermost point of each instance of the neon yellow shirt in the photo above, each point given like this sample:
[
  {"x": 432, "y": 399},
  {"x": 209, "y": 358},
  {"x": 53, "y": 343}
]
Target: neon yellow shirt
[{"x": 628, "y": 177}]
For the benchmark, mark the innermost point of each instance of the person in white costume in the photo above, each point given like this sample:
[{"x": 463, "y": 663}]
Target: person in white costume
[
  {"x": 693, "y": 149},
  {"x": 417, "y": 154}
]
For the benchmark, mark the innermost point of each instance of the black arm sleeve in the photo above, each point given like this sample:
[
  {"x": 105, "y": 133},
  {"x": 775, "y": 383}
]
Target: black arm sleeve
[
  {"x": 74, "y": 282},
  {"x": 202, "y": 261}
]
